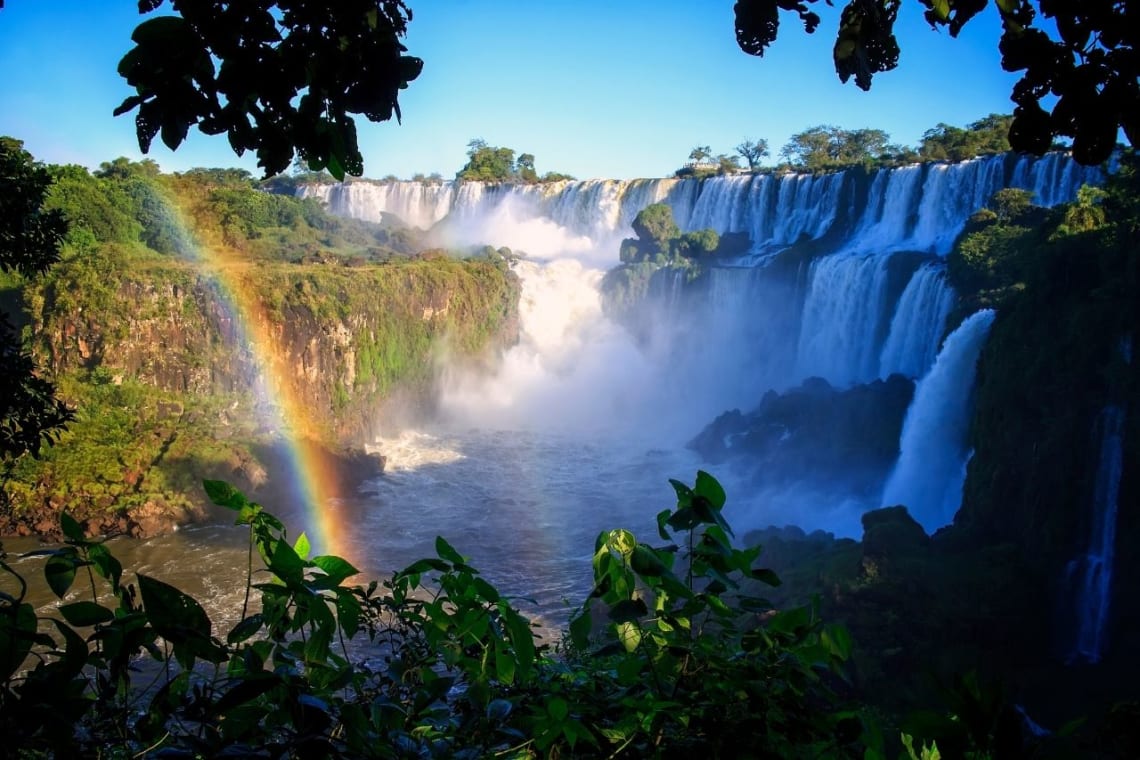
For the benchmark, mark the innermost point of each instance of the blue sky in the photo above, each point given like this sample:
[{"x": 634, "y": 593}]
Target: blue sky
[{"x": 594, "y": 88}]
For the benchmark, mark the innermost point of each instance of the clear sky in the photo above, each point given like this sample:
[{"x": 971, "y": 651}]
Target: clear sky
[{"x": 593, "y": 88}]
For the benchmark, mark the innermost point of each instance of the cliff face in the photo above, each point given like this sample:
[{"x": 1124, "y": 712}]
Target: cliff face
[
  {"x": 180, "y": 372},
  {"x": 338, "y": 341}
]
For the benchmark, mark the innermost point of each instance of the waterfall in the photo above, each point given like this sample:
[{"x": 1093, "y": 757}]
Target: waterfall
[
  {"x": 844, "y": 280},
  {"x": 916, "y": 208},
  {"x": 917, "y": 326},
  {"x": 931, "y": 468},
  {"x": 1091, "y": 573},
  {"x": 842, "y": 314}
]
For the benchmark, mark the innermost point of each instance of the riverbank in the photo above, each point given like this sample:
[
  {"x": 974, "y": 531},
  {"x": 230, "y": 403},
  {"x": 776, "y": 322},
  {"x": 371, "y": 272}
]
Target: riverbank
[{"x": 265, "y": 469}]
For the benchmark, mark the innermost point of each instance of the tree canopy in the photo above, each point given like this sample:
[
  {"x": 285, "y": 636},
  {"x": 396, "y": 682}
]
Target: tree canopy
[
  {"x": 488, "y": 163},
  {"x": 947, "y": 143},
  {"x": 753, "y": 151},
  {"x": 1091, "y": 65},
  {"x": 278, "y": 77},
  {"x": 30, "y": 238},
  {"x": 827, "y": 147}
]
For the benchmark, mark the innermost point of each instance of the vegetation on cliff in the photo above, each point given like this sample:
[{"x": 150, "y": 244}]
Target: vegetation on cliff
[
  {"x": 178, "y": 295},
  {"x": 486, "y": 163}
]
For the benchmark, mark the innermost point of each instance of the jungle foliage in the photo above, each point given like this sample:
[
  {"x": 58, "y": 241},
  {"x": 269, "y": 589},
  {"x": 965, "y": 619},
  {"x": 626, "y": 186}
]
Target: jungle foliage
[
  {"x": 30, "y": 240},
  {"x": 683, "y": 657}
]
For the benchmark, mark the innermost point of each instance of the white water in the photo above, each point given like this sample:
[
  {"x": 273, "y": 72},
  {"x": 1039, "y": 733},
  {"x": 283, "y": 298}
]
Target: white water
[
  {"x": 1091, "y": 573},
  {"x": 913, "y": 339},
  {"x": 930, "y": 472},
  {"x": 582, "y": 424}
]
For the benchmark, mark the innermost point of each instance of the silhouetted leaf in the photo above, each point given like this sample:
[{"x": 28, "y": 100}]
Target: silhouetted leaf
[
  {"x": 627, "y": 610},
  {"x": 106, "y": 564},
  {"x": 174, "y": 614},
  {"x": 59, "y": 572},
  {"x": 245, "y": 628},
  {"x": 70, "y": 527},
  {"x": 83, "y": 614},
  {"x": 445, "y": 550}
]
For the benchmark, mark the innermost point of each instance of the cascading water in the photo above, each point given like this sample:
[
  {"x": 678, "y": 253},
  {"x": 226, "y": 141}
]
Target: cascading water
[
  {"x": 920, "y": 318},
  {"x": 842, "y": 315},
  {"x": 582, "y": 423},
  {"x": 1090, "y": 575},
  {"x": 931, "y": 468}
]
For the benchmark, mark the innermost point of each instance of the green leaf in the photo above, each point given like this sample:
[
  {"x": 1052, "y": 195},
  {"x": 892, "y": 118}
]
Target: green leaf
[
  {"x": 336, "y": 568},
  {"x": 248, "y": 688},
  {"x": 301, "y": 546},
  {"x": 71, "y": 528},
  {"x": 838, "y": 641},
  {"x": 710, "y": 488},
  {"x": 522, "y": 638},
  {"x": 348, "y": 612},
  {"x": 82, "y": 614},
  {"x": 580, "y": 627},
  {"x": 764, "y": 575},
  {"x": 447, "y": 551},
  {"x": 75, "y": 650},
  {"x": 558, "y": 708},
  {"x": 646, "y": 562},
  {"x": 419, "y": 567},
  {"x": 684, "y": 493},
  {"x": 225, "y": 495},
  {"x": 629, "y": 635},
  {"x": 173, "y": 614},
  {"x": 662, "y": 521},
  {"x": 17, "y": 634},
  {"x": 942, "y": 9},
  {"x": 106, "y": 564},
  {"x": 485, "y": 589},
  {"x": 284, "y": 562},
  {"x": 504, "y": 663},
  {"x": 59, "y": 572},
  {"x": 245, "y": 628}
]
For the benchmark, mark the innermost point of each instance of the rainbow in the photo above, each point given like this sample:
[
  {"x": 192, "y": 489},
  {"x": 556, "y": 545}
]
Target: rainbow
[{"x": 311, "y": 472}]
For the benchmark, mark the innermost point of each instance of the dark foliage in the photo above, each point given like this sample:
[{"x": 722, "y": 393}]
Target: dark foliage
[
  {"x": 29, "y": 243},
  {"x": 278, "y": 77},
  {"x": 1092, "y": 69}
]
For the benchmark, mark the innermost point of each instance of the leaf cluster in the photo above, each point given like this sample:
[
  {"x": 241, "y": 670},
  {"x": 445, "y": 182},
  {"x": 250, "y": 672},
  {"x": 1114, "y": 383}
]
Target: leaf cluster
[
  {"x": 687, "y": 663},
  {"x": 278, "y": 77},
  {"x": 1087, "y": 71},
  {"x": 659, "y": 240},
  {"x": 30, "y": 238}
]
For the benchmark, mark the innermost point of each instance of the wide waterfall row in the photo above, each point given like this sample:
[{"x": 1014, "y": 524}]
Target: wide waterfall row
[{"x": 917, "y": 208}]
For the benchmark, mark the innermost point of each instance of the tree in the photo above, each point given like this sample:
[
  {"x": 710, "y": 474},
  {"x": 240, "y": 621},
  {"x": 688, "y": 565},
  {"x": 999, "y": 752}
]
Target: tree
[
  {"x": 987, "y": 135},
  {"x": 829, "y": 147},
  {"x": 278, "y": 77},
  {"x": 30, "y": 238},
  {"x": 752, "y": 151},
  {"x": 726, "y": 164},
  {"x": 525, "y": 168},
  {"x": 700, "y": 154},
  {"x": 654, "y": 227},
  {"x": 1092, "y": 67},
  {"x": 487, "y": 164}
]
